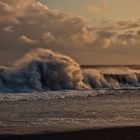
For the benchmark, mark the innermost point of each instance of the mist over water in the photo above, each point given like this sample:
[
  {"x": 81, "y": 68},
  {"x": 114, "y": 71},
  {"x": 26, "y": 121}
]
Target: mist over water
[{"x": 43, "y": 70}]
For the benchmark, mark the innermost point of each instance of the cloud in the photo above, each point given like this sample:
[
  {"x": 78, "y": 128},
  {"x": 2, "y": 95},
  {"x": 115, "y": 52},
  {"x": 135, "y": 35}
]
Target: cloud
[
  {"x": 48, "y": 37},
  {"x": 34, "y": 23},
  {"x": 8, "y": 29},
  {"x": 130, "y": 39},
  {"x": 104, "y": 39},
  {"x": 12, "y": 9},
  {"x": 28, "y": 40},
  {"x": 129, "y": 24},
  {"x": 35, "y": 19},
  {"x": 27, "y": 24},
  {"x": 98, "y": 8},
  {"x": 122, "y": 25}
]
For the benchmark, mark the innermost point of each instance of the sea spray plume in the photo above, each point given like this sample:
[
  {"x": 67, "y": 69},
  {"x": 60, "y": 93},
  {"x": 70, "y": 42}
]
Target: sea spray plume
[{"x": 42, "y": 70}]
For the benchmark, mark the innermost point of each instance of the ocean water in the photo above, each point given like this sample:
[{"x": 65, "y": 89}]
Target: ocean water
[
  {"x": 47, "y": 92},
  {"x": 52, "y": 95},
  {"x": 57, "y": 111}
]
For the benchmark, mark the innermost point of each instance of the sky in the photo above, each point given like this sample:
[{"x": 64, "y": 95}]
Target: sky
[
  {"x": 98, "y": 10},
  {"x": 93, "y": 32}
]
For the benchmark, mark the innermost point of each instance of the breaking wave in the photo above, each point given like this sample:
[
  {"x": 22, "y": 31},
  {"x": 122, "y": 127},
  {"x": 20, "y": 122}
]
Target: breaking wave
[
  {"x": 43, "y": 70},
  {"x": 112, "y": 78}
]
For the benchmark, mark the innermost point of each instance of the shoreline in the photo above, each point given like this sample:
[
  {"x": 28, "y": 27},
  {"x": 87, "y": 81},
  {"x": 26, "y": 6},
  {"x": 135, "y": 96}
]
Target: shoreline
[{"x": 114, "y": 133}]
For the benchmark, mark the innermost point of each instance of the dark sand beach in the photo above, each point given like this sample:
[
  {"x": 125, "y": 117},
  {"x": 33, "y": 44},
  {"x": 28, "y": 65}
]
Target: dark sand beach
[{"x": 115, "y": 133}]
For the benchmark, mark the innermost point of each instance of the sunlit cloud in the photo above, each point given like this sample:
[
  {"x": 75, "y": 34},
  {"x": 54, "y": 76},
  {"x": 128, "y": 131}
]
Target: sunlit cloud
[
  {"x": 25, "y": 24},
  {"x": 129, "y": 24},
  {"x": 41, "y": 26},
  {"x": 100, "y": 7},
  {"x": 46, "y": 25},
  {"x": 28, "y": 40},
  {"x": 8, "y": 29}
]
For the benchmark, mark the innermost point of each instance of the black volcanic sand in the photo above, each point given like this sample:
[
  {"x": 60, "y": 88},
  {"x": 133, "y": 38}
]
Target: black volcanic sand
[
  {"x": 104, "y": 117},
  {"x": 118, "y": 133}
]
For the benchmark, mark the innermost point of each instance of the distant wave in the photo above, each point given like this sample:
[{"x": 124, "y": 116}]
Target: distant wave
[
  {"x": 43, "y": 70},
  {"x": 112, "y": 77}
]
